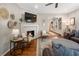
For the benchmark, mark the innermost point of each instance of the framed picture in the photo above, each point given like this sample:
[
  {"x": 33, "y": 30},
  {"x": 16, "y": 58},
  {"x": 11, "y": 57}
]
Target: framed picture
[
  {"x": 4, "y": 14},
  {"x": 72, "y": 21},
  {"x": 60, "y": 23},
  {"x": 57, "y": 23},
  {"x": 11, "y": 24}
]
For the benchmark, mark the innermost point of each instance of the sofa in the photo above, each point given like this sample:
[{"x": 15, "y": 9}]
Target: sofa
[
  {"x": 75, "y": 36},
  {"x": 60, "y": 50}
]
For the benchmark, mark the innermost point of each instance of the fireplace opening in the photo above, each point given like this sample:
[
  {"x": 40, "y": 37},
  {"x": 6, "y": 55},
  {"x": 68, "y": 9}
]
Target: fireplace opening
[{"x": 31, "y": 33}]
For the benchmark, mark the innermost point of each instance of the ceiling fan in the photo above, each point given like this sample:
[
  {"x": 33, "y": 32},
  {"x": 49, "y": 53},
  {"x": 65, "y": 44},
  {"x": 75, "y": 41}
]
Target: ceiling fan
[{"x": 56, "y": 4}]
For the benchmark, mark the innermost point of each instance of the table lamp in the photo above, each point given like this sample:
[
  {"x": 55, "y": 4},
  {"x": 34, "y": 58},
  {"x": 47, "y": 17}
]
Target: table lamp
[{"x": 15, "y": 33}]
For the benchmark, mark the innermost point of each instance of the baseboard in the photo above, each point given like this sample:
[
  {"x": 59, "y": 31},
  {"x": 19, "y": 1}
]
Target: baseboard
[{"x": 5, "y": 52}]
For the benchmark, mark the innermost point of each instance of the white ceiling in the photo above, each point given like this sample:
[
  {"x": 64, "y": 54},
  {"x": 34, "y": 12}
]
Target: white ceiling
[{"x": 62, "y": 7}]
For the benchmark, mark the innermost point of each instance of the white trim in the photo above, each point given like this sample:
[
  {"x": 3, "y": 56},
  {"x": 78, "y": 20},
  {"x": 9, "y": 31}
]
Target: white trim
[{"x": 6, "y": 52}]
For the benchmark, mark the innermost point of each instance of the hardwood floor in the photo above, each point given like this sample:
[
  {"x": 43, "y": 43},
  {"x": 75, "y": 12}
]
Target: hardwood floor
[{"x": 28, "y": 51}]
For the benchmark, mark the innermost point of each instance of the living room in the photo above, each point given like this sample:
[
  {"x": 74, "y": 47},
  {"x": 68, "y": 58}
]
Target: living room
[{"x": 48, "y": 18}]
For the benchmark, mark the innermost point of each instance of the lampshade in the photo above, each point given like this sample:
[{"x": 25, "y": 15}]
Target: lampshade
[
  {"x": 23, "y": 34},
  {"x": 15, "y": 32}
]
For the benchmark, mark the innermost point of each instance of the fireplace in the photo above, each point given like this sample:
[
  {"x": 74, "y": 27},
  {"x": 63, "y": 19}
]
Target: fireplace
[
  {"x": 31, "y": 33},
  {"x": 30, "y": 28}
]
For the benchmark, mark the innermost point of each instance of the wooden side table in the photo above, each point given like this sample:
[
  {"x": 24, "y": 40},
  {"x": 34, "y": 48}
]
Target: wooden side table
[{"x": 14, "y": 43}]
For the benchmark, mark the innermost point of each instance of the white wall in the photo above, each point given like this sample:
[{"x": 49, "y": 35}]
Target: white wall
[
  {"x": 48, "y": 18},
  {"x": 76, "y": 15},
  {"x": 5, "y": 32}
]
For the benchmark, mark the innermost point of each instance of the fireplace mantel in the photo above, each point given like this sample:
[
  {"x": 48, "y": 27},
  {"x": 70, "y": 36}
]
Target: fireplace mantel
[{"x": 29, "y": 27}]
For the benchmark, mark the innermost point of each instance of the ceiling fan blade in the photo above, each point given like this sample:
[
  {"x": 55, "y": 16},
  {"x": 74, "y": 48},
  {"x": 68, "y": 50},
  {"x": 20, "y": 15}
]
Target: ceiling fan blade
[
  {"x": 56, "y": 5},
  {"x": 48, "y": 4}
]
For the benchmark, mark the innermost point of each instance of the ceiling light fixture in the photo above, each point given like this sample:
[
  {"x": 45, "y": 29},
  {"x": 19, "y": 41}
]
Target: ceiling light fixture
[{"x": 36, "y": 6}]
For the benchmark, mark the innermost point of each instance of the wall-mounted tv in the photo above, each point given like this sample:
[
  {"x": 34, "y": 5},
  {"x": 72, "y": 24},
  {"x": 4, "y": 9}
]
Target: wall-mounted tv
[{"x": 29, "y": 17}]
